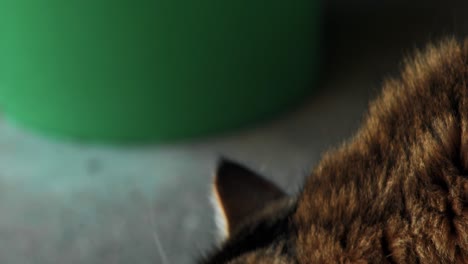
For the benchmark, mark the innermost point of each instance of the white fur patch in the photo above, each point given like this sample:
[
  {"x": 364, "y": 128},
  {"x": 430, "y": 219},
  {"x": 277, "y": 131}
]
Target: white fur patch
[{"x": 220, "y": 216}]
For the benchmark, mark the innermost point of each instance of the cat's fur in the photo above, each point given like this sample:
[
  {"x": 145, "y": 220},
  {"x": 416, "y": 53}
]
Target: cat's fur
[{"x": 395, "y": 193}]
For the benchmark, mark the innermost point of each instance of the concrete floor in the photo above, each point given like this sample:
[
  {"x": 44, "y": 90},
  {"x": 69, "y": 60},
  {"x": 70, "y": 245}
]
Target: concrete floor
[{"x": 68, "y": 202}]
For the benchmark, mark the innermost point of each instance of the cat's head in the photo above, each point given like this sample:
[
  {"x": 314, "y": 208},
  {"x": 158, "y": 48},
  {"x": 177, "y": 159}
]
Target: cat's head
[
  {"x": 258, "y": 223},
  {"x": 253, "y": 217}
]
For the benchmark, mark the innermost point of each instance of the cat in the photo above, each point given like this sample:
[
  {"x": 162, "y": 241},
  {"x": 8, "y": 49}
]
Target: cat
[{"x": 395, "y": 193}]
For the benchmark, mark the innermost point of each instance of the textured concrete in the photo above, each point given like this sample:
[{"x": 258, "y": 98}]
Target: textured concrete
[{"x": 69, "y": 202}]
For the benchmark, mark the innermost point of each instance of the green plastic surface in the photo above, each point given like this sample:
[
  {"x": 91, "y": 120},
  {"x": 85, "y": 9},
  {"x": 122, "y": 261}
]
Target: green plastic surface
[{"x": 160, "y": 69}]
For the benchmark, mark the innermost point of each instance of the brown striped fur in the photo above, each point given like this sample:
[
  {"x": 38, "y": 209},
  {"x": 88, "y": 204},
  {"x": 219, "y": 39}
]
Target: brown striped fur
[{"x": 395, "y": 193}]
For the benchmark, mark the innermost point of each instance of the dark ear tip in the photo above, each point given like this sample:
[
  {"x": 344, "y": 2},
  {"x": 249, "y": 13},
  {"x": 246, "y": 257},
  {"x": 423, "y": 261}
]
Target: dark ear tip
[
  {"x": 226, "y": 165},
  {"x": 222, "y": 160}
]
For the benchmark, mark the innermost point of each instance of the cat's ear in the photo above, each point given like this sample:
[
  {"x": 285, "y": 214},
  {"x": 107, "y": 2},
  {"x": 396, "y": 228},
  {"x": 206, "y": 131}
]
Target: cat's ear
[{"x": 237, "y": 193}]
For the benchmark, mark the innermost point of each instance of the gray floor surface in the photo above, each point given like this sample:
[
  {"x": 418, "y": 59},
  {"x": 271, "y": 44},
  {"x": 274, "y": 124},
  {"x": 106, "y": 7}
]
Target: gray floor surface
[{"x": 69, "y": 202}]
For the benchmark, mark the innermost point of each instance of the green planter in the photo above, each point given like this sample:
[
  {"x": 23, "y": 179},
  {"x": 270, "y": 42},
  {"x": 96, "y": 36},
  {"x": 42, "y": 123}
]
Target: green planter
[{"x": 153, "y": 69}]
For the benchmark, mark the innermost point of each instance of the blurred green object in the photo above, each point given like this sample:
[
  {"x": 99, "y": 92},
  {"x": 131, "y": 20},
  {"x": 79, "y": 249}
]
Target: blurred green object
[{"x": 153, "y": 69}]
